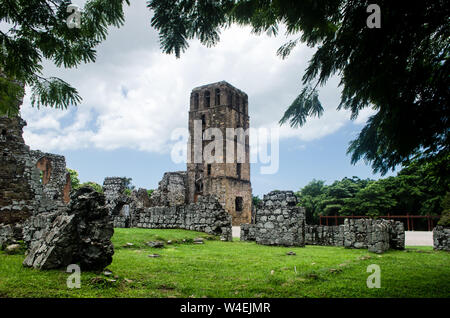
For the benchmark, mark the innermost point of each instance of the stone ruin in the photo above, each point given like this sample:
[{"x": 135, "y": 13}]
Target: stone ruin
[
  {"x": 59, "y": 229},
  {"x": 117, "y": 201},
  {"x": 31, "y": 181},
  {"x": 279, "y": 221},
  {"x": 36, "y": 207},
  {"x": 206, "y": 215},
  {"x": 324, "y": 235},
  {"x": 172, "y": 190},
  {"x": 377, "y": 235},
  {"x": 80, "y": 235},
  {"x": 166, "y": 208},
  {"x": 441, "y": 238}
]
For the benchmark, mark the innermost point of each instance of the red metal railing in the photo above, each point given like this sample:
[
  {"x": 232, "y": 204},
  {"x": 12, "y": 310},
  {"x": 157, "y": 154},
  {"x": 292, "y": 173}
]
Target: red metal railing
[{"x": 409, "y": 219}]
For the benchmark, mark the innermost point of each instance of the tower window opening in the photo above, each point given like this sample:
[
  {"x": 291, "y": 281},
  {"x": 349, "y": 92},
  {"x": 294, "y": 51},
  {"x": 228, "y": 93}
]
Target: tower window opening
[
  {"x": 207, "y": 99},
  {"x": 199, "y": 187},
  {"x": 203, "y": 122},
  {"x": 209, "y": 169},
  {"x": 238, "y": 204},
  {"x": 196, "y": 101},
  {"x": 217, "y": 102},
  {"x": 238, "y": 103},
  {"x": 238, "y": 170}
]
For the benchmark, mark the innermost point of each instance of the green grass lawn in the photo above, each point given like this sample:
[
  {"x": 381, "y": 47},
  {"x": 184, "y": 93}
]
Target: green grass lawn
[{"x": 235, "y": 269}]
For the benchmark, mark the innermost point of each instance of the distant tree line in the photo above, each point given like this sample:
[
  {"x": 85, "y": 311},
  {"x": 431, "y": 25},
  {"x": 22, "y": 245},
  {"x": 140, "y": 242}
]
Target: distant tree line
[
  {"x": 420, "y": 188},
  {"x": 76, "y": 184}
]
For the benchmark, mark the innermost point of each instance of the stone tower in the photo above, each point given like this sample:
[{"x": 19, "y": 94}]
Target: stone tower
[{"x": 227, "y": 173}]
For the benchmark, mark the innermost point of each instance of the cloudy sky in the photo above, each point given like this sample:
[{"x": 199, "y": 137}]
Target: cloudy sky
[{"x": 135, "y": 96}]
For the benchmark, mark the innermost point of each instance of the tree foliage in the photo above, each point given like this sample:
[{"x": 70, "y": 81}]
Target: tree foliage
[
  {"x": 98, "y": 188},
  {"x": 76, "y": 184},
  {"x": 74, "y": 179},
  {"x": 400, "y": 70},
  {"x": 128, "y": 182},
  {"x": 38, "y": 31},
  {"x": 445, "y": 218},
  {"x": 256, "y": 201},
  {"x": 418, "y": 189}
]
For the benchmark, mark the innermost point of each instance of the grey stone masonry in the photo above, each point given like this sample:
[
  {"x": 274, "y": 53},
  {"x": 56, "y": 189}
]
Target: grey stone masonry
[
  {"x": 377, "y": 235},
  {"x": 355, "y": 233},
  {"x": 206, "y": 215},
  {"x": 248, "y": 232},
  {"x": 124, "y": 208},
  {"x": 117, "y": 201},
  {"x": 396, "y": 235},
  {"x": 324, "y": 235},
  {"x": 114, "y": 191},
  {"x": 55, "y": 179},
  {"x": 31, "y": 182},
  {"x": 441, "y": 238},
  {"x": 172, "y": 190},
  {"x": 278, "y": 221},
  {"x": 82, "y": 234},
  {"x": 38, "y": 226},
  {"x": 6, "y": 235}
]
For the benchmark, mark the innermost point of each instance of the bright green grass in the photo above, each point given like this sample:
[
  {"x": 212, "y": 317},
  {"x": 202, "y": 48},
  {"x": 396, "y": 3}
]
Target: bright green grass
[{"x": 236, "y": 269}]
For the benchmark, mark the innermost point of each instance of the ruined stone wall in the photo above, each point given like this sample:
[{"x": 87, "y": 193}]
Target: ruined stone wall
[
  {"x": 377, "y": 235},
  {"x": 55, "y": 178},
  {"x": 248, "y": 232},
  {"x": 172, "y": 190},
  {"x": 17, "y": 194},
  {"x": 123, "y": 208},
  {"x": 141, "y": 198},
  {"x": 22, "y": 190},
  {"x": 396, "y": 235},
  {"x": 278, "y": 221},
  {"x": 441, "y": 238},
  {"x": 324, "y": 235},
  {"x": 10, "y": 234},
  {"x": 113, "y": 189},
  {"x": 166, "y": 208},
  {"x": 117, "y": 202},
  {"x": 206, "y": 215}
]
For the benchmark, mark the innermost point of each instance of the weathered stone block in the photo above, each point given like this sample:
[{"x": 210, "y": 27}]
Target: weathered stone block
[
  {"x": 441, "y": 238},
  {"x": 80, "y": 235}
]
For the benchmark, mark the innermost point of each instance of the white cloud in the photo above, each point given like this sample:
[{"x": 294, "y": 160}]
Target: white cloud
[{"x": 134, "y": 96}]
